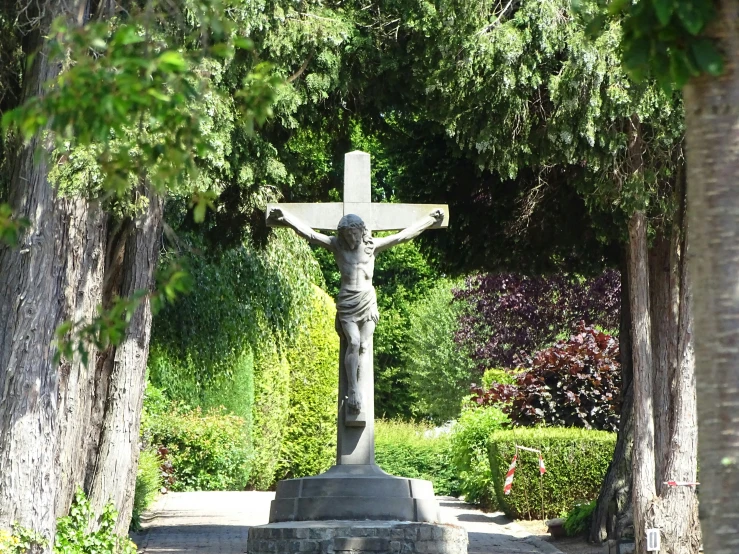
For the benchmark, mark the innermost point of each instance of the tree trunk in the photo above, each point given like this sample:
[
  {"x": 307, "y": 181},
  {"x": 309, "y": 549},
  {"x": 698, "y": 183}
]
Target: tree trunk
[
  {"x": 116, "y": 458},
  {"x": 712, "y": 145},
  {"x": 644, "y": 492},
  {"x": 679, "y": 525},
  {"x": 54, "y": 417},
  {"x": 663, "y": 314},
  {"x": 41, "y": 281},
  {"x": 76, "y": 379},
  {"x": 613, "y": 510}
]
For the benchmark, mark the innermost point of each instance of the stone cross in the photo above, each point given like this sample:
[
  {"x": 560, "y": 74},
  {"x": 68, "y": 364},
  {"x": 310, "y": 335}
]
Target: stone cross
[{"x": 356, "y": 440}]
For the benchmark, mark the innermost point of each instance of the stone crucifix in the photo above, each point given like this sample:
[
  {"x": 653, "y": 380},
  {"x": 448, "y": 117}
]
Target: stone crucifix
[{"x": 354, "y": 250}]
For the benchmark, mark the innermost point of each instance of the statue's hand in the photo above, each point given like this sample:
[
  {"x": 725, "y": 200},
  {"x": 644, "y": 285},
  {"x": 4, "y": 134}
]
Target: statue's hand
[
  {"x": 438, "y": 215},
  {"x": 277, "y": 215}
]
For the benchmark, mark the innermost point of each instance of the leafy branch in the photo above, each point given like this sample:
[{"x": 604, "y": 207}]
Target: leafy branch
[
  {"x": 108, "y": 327},
  {"x": 663, "y": 39}
]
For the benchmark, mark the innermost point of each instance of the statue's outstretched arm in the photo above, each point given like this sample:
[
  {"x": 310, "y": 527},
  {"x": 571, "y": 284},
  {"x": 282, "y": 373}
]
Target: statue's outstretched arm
[
  {"x": 279, "y": 215},
  {"x": 437, "y": 216}
]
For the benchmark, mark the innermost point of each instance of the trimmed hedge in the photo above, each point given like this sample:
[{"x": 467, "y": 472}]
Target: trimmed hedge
[
  {"x": 417, "y": 451},
  {"x": 309, "y": 441},
  {"x": 209, "y": 452},
  {"x": 270, "y": 411},
  {"x": 576, "y": 462}
]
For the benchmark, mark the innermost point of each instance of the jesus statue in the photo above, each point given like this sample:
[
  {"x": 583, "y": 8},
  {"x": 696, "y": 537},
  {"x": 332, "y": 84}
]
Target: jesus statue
[{"x": 354, "y": 250}]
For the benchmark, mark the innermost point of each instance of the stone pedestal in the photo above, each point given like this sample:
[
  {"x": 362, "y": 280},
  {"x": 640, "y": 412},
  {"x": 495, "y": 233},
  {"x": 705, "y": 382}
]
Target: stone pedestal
[
  {"x": 357, "y": 537},
  {"x": 354, "y": 492}
]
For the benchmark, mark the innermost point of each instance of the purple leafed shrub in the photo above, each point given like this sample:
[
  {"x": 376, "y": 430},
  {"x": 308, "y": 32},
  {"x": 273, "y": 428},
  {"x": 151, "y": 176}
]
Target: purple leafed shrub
[
  {"x": 508, "y": 315},
  {"x": 575, "y": 383}
]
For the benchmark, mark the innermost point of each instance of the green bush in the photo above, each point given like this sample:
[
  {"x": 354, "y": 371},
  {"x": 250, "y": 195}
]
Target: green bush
[
  {"x": 21, "y": 540},
  {"x": 577, "y": 521},
  {"x": 576, "y": 462},
  {"x": 148, "y": 484},
  {"x": 470, "y": 436},
  {"x": 206, "y": 347},
  {"x": 439, "y": 371},
  {"x": 415, "y": 450},
  {"x": 309, "y": 441},
  {"x": 270, "y": 411},
  {"x": 231, "y": 387},
  {"x": 73, "y": 535},
  {"x": 495, "y": 376},
  {"x": 208, "y": 451}
]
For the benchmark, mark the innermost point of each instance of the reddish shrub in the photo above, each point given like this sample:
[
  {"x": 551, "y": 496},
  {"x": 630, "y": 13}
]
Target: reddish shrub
[{"x": 571, "y": 384}]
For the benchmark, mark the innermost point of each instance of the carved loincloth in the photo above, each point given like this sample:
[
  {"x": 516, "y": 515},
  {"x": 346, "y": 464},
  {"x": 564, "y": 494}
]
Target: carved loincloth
[{"x": 356, "y": 306}]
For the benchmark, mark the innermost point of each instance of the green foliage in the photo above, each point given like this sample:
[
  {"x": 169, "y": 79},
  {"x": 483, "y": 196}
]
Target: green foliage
[
  {"x": 229, "y": 343},
  {"x": 417, "y": 451},
  {"x": 73, "y": 535},
  {"x": 182, "y": 377},
  {"x": 576, "y": 462},
  {"x": 135, "y": 98},
  {"x": 470, "y": 436},
  {"x": 309, "y": 440},
  {"x": 661, "y": 38},
  {"x": 487, "y": 75},
  {"x": 204, "y": 346},
  {"x": 20, "y": 540},
  {"x": 148, "y": 484},
  {"x": 497, "y": 376},
  {"x": 270, "y": 412},
  {"x": 155, "y": 401},
  {"x": 209, "y": 451},
  {"x": 577, "y": 521},
  {"x": 439, "y": 372}
]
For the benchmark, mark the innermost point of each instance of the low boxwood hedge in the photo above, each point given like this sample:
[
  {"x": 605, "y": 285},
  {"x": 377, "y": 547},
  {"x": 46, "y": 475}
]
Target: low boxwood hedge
[
  {"x": 415, "y": 450},
  {"x": 576, "y": 461}
]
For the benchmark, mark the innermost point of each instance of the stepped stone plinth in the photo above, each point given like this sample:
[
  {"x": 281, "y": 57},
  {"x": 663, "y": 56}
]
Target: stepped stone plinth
[{"x": 357, "y": 537}]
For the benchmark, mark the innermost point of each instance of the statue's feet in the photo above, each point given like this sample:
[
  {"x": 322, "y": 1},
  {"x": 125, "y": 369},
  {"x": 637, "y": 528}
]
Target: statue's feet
[{"x": 353, "y": 401}]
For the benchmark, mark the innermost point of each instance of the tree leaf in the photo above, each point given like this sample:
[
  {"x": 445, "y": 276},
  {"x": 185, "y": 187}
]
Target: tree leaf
[
  {"x": 198, "y": 212},
  {"x": 664, "y": 10},
  {"x": 617, "y": 6},
  {"x": 681, "y": 69},
  {"x": 173, "y": 59},
  {"x": 707, "y": 56},
  {"x": 693, "y": 15}
]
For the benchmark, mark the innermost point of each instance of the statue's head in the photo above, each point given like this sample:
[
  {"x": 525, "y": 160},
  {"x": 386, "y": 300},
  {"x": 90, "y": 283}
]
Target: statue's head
[{"x": 352, "y": 232}]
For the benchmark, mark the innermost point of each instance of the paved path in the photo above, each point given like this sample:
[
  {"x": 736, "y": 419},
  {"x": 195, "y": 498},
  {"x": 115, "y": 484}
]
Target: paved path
[{"x": 218, "y": 522}]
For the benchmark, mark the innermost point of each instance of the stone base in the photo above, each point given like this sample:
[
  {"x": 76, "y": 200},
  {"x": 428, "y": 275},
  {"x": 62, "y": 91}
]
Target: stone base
[
  {"x": 357, "y": 537},
  {"x": 354, "y": 492}
]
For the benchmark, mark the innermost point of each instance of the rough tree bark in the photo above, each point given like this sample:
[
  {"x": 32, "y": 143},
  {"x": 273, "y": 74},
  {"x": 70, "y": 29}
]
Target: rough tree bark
[
  {"x": 55, "y": 417},
  {"x": 678, "y": 506},
  {"x": 712, "y": 145},
  {"x": 42, "y": 282},
  {"x": 76, "y": 379},
  {"x": 613, "y": 509},
  {"x": 644, "y": 491},
  {"x": 116, "y": 456},
  {"x": 663, "y": 314}
]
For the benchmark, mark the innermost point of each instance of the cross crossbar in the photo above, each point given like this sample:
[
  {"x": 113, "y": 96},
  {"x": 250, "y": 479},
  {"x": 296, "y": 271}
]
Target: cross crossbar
[{"x": 357, "y": 200}]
